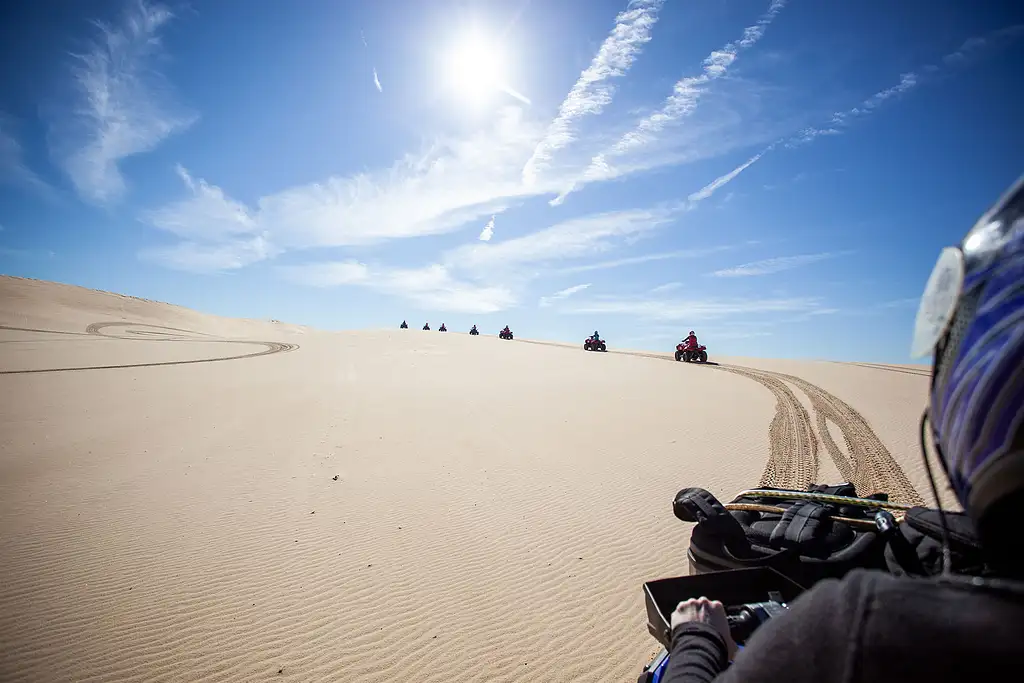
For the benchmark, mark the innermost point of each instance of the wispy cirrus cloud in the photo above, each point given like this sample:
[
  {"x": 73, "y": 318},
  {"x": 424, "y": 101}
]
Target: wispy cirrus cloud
[
  {"x": 570, "y": 239},
  {"x": 775, "y": 265},
  {"x": 646, "y": 258},
  {"x": 842, "y": 119},
  {"x": 546, "y": 301},
  {"x": 723, "y": 180},
  {"x": 488, "y": 232},
  {"x": 971, "y": 48},
  {"x": 667, "y": 287},
  {"x": 13, "y": 169},
  {"x": 207, "y": 214},
  {"x": 591, "y": 93},
  {"x": 433, "y": 287},
  {"x": 202, "y": 257},
  {"x": 683, "y": 101},
  {"x": 122, "y": 105},
  {"x": 687, "y": 91},
  {"x": 449, "y": 185},
  {"x": 669, "y": 310},
  {"x": 376, "y": 81}
]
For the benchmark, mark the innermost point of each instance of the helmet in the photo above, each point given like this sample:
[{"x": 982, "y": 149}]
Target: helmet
[
  {"x": 971, "y": 318},
  {"x": 691, "y": 333}
]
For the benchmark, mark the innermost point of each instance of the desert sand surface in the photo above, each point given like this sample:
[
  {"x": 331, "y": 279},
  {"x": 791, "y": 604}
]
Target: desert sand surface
[{"x": 185, "y": 497}]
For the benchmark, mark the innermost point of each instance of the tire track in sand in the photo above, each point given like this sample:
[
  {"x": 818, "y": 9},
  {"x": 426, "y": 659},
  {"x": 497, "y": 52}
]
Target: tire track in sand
[
  {"x": 154, "y": 333},
  {"x": 793, "y": 456},
  {"x": 792, "y": 445},
  {"x": 869, "y": 466}
]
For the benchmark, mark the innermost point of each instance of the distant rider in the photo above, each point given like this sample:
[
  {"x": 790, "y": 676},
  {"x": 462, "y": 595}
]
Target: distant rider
[
  {"x": 404, "y": 326},
  {"x": 875, "y": 627},
  {"x": 473, "y": 330},
  {"x": 690, "y": 343},
  {"x": 442, "y": 328},
  {"x": 426, "y": 326},
  {"x": 596, "y": 337}
]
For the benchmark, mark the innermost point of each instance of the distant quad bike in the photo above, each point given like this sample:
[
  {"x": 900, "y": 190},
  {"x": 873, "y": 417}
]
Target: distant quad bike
[
  {"x": 505, "y": 335},
  {"x": 442, "y": 328},
  {"x": 474, "y": 332},
  {"x": 590, "y": 344},
  {"x": 697, "y": 355}
]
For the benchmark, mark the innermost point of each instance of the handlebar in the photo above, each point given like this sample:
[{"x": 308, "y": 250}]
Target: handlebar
[{"x": 744, "y": 619}]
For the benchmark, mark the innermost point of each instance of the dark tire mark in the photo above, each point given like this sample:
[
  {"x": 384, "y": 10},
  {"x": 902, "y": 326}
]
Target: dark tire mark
[
  {"x": 890, "y": 368},
  {"x": 792, "y": 446},
  {"x": 32, "y": 329},
  {"x": 95, "y": 329},
  {"x": 870, "y": 467},
  {"x": 150, "y": 334}
]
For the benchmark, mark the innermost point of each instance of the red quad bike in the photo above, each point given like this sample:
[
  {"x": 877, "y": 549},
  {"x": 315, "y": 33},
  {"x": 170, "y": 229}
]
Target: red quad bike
[
  {"x": 505, "y": 335},
  {"x": 697, "y": 354},
  {"x": 592, "y": 345}
]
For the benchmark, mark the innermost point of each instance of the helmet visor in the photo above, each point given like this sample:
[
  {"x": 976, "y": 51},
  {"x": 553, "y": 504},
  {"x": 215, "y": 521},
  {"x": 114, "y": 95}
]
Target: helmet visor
[{"x": 939, "y": 301}]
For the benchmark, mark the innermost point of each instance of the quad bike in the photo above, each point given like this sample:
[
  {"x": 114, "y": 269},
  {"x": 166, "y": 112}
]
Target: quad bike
[
  {"x": 474, "y": 332},
  {"x": 751, "y": 597},
  {"x": 698, "y": 354},
  {"x": 591, "y": 344},
  {"x": 403, "y": 326},
  {"x": 505, "y": 335},
  {"x": 442, "y": 328}
]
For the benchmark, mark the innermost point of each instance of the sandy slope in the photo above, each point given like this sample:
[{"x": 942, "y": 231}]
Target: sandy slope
[{"x": 496, "y": 505}]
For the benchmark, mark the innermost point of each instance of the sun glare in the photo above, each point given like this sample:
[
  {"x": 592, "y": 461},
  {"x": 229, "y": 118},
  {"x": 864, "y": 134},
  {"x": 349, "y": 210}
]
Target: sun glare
[{"x": 475, "y": 69}]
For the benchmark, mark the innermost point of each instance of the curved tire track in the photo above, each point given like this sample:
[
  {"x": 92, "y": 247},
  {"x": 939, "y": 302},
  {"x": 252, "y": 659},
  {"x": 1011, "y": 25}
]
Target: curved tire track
[
  {"x": 150, "y": 335},
  {"x": 792, "y": 446},
  {"x": 870, "y": 467}
]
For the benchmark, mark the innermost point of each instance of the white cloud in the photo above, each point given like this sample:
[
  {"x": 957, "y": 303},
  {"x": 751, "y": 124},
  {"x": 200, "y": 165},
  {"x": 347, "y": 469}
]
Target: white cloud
[
  {"x": 570, "y": 239},
  {"x": 774, "y": 265},
  {"x": 13, "y": 169},
  {"x": 432, "y": 287},
  {"x": 683, "y": 101},
  {"x": 693, "y": 309},
  {"x": 376, "y": 81},
  {"x": 488, "y": 232},
  {"x": 842, "y": 119},
  {"x": 327, "y": 274},
  {"x": 453, "y": 183},
  {"x": 908, "y": 81},
  {"x": 646, "y": 258},
  {"x": 591, "y": 94},
  {"x": 208, "y": 214},
  {"x": 207, "y": 258},
  {"x": 122, "y": 105},
  {"x": 721, "y": 181},
  {"x": 546, "y": 301},
  {"x": 667, "y": 287}
]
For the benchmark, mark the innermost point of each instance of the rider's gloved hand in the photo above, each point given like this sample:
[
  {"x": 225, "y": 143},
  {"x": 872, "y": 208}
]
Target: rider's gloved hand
[{"x": 710, "y": 612}]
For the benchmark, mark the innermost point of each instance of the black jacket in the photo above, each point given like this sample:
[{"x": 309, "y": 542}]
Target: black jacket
[{"x": 871, "y": 627}]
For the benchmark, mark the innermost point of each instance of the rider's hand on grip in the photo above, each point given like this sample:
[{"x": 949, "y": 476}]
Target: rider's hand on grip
[{"x": 705, "y": 611}]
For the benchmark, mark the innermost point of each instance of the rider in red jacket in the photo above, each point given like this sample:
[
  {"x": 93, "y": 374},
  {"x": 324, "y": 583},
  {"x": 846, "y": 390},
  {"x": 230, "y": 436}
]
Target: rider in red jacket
[{"x": 690, "y": 343}]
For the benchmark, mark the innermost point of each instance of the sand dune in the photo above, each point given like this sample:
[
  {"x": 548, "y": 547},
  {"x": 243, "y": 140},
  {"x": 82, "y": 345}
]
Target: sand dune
[{"x": 375, "y": 506}]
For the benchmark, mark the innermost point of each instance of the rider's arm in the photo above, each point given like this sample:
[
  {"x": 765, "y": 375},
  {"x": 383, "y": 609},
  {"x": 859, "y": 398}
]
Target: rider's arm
[
  {"x": 817, "y": 639},
  {"x": 698, "y": 654}
]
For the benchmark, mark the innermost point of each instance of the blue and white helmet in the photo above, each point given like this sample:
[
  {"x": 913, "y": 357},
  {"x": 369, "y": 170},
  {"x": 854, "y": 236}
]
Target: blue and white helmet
[{"x": 972, "y": 319}]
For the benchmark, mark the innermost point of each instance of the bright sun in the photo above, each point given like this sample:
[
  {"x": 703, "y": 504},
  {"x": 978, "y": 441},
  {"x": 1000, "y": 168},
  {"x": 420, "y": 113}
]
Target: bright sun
[{"x": 474, "y": 69}]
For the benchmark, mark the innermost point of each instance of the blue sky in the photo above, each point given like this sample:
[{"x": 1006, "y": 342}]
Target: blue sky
[{"x": 778, "y": 176}]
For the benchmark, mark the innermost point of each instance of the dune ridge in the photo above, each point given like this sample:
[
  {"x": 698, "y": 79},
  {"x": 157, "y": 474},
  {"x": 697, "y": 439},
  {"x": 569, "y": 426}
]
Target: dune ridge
[{"x": 379, "y": 505}]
